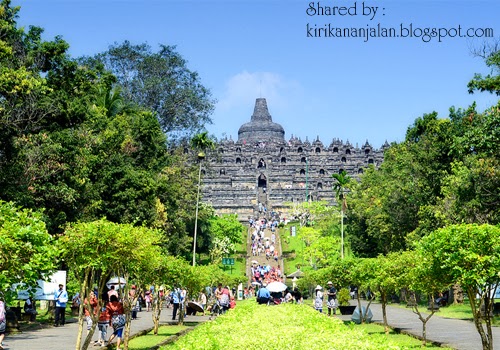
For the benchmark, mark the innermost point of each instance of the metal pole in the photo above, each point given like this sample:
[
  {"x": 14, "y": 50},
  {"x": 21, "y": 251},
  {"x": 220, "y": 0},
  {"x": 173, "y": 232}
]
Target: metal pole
[
  {"x": 342, "y": 230},
  {"x": 196, "y": 216},
  {"x": 307, "y": 176}
]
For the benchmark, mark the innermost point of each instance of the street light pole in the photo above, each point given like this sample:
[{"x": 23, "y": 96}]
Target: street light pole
[
  {"x": 200, "y": 157},
  {"x": 342, "y": 228},
  {"x": 307, "y": 179}
]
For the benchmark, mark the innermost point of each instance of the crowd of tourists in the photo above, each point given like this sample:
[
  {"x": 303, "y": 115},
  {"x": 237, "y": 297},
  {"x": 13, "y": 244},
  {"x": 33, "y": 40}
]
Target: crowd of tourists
[{"x": 262, "y": 245}]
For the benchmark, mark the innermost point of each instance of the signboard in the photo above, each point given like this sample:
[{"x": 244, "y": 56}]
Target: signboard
[
  {"x": 45, "y": 289},
  {"x": 227, "y": 261},
  {"x": 293, "y": 231}
]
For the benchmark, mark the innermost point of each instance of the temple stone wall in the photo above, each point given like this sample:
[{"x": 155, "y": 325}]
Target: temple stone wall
[{"x": 263, "y": 167}]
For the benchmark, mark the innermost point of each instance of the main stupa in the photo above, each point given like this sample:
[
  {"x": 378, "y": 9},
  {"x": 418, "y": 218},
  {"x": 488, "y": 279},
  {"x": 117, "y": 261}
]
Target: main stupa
[{"x": 261, "y": 127}]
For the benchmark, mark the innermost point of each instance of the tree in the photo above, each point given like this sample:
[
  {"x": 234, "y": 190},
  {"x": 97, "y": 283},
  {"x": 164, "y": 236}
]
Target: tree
[
  {"x": 395, "y": 204},
  {"x": 341, "y": 187},
  {"x": 468, "y": 254},
  {"x": 490, "y": 82},
  {"x": 95, "y": 251},
  {"x": 200, "y": 143},
  {"x": 28, "y": 253},
  {"x": 161, "y": 82},
  {"x": 419, "y": 278},
  {"x": 364, "y": 276},
  {"x": 225, "y": 232},
  {"x": 390, "y": 278}
]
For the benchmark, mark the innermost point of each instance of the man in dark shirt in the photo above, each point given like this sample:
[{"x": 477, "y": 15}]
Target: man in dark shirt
[{"x": 332, "y": 298}]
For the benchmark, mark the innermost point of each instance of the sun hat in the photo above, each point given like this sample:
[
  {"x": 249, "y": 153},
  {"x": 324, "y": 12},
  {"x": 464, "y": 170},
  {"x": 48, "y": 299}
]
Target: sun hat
[
  {"x": 318, "y": 287},
  {"x": 330, "y": 282}
]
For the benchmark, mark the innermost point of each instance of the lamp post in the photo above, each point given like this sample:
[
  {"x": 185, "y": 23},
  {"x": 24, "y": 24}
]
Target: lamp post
[
  {"x": 340, "y": 187},
  {"x": 342, "y": 227},
  {"x": 201, "y": 156}
]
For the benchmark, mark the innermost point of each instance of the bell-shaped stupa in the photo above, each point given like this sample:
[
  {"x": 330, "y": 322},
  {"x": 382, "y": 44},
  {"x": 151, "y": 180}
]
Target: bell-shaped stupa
[{"x": 261, "y": 127}]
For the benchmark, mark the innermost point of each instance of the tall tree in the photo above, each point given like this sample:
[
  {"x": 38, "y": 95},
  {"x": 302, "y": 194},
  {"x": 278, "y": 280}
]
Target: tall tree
[
  {"x": 341, "y": 186},
  {"x": 161, "y": 82},
  {"x": 28, "y": 253},
  {"x": 201, "y": 143},
  {"x": 491, "y": 82},
  {"x": 468, "y": 254}
]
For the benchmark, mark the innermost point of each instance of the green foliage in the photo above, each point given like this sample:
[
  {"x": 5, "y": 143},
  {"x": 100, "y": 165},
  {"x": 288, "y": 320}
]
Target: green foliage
[
  {"x": 28, "y": 252},
  {"x": 343, "y": 297},
  {"x": 467, "y": 254},
  {"x": 225, "y": 233},
  {"x": 108, "y": 247},
  {"x": 490, "y": 82},
  {"x": 291, "y": 325},
  {"x": 161, "y": 82}
]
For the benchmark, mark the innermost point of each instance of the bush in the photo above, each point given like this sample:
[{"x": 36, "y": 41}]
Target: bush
[{"x": 343, "y": 297}]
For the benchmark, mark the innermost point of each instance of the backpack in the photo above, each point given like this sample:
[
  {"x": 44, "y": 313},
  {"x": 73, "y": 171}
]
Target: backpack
[
  {"x": 2, "y": 311},
  {"x": 224, "y": 300}
]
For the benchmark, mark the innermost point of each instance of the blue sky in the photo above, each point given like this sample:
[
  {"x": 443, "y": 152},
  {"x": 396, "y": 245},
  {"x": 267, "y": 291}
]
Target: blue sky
[{"x": 328, "y": 87}]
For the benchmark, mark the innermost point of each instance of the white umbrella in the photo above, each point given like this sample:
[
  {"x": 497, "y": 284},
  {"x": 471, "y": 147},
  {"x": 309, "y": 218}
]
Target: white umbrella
[
  {"x": 256, "y": 283},
  {"x": 117, "y": 282},
  {"x": 276, "y": 287}
]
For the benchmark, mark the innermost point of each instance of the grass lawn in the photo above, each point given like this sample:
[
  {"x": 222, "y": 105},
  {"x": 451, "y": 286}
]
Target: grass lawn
[
  {"x": 462, "y": 312},
  {"x": 287, "y": 326},
  {"x": 459, "y": 311},
  {"x": 146, "y": 342},
  {"x": 292, "y": 248}
]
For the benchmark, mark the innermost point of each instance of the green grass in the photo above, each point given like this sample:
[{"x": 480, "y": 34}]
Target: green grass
[
  {"x": 459, "y": 311},
  {"x": 292, "y": 249},
  {"x": 146, "y": 342},
  {"x": 288, "y": 326}
]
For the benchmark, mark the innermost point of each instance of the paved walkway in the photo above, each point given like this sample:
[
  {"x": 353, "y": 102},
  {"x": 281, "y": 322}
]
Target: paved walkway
[
  {"x": 457, "y": 334},
  {"x": 64, "y": 337}
]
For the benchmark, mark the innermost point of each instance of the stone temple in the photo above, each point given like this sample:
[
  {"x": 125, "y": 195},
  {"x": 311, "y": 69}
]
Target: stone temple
[{"x": 263, "y": 167}]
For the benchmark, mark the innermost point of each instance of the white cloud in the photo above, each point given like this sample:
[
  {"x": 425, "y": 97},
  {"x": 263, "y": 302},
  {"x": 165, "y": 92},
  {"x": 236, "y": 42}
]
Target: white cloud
[{"x": 243, "y": 88}]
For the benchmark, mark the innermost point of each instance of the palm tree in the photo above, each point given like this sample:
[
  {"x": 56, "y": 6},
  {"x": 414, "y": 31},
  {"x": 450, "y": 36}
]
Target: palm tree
[
  {"x": 111, "y": 99},
  {"x": 340, "y": 187},
  {"x": 200, "y": 143}
]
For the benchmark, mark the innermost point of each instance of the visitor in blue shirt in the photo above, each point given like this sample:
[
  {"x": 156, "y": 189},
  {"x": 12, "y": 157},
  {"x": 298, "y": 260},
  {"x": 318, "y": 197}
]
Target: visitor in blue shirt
[
  {"x": 175, "y": 297},
  {"x": 263, "y": 295},
  {"x": 61, "y": 298}
]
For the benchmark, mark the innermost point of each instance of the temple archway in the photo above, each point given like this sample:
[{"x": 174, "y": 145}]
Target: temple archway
[{"x": 262, "y": 181}]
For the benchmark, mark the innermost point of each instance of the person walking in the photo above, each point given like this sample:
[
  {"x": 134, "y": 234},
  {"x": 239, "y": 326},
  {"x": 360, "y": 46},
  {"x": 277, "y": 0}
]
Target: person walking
[
  {"x": 90, "y": 309},
  {"x": 318, "y": 299},
  {"x": 203, "y": 300},
  {"x": 61, "y": 298},
  {"x": 175, "y": 297},
  {"x": 116, "y": 312},
  {"x": 3, "y": 322},
  {"x": 104, "y": 320},
  {"x": 332, "y": 299}
]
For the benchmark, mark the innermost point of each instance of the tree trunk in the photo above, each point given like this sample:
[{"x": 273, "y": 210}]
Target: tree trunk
[
  {"x": 126, "y": 331},
  {"x": 486, "y": 337},
  {"x": 458, "y": 294},
  {"x": 384, "y": 312},
  {"x": 81, "y": 312},
  {"x": 363, "y": 316},
  {"x": 421, "y": 318},
  {"x": 359, "y": 308},
  {"x": 157, "y": 307},
  {"x": 90, "y": 334}
]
